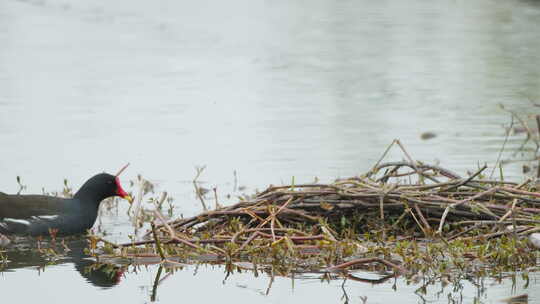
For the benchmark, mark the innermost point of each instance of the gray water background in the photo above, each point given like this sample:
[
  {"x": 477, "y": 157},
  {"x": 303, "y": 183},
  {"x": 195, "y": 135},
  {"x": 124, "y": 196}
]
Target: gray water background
[{"x": 269, "y": 89}]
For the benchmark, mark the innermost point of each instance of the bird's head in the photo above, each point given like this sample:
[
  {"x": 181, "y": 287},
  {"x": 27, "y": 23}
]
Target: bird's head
[{"x": 103, "y": 185}]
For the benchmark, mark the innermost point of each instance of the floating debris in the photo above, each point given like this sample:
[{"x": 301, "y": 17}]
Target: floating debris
[
  {"x": 400, "y": 218},
  {"x": 428, "y": 135}
]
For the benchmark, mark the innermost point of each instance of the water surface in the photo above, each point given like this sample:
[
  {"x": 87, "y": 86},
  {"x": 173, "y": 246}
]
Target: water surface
[{"x": 269, "y": 89}]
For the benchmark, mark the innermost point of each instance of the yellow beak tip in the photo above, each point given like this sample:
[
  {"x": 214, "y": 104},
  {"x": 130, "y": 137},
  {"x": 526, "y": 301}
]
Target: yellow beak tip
[{"x": 129, "y": 199}]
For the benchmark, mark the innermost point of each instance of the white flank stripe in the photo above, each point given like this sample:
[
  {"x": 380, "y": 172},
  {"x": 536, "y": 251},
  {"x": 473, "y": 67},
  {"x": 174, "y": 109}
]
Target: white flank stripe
[
  {"x": 46, "y": 217},
  {"x": 24, "y": 222}
]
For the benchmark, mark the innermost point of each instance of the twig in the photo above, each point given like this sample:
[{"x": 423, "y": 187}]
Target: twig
[
  {"x": 502, "y": 147},
  {"x": 423, "y": 219},
  {"x": 470, "y": 178},
  {"x": 452, "y": 206},
  {"x": 197, "y": 189},
  {"x": 122, "y": 170},
  {"x": 158, "y": 243}
]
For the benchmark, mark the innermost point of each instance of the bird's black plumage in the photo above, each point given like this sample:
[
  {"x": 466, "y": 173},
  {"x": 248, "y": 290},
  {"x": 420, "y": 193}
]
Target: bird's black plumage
[{"x": 38, "y": 214}]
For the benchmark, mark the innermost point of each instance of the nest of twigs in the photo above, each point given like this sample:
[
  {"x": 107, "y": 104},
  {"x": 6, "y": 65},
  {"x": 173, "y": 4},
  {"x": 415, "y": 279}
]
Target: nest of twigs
[
  {"x": 438, "y": 201},
  {"x": 366, "y": 217}
]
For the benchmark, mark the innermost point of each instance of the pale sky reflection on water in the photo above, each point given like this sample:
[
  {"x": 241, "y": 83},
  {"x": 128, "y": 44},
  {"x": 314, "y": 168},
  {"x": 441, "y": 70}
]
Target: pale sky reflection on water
[{"x": 271, "y": 89}]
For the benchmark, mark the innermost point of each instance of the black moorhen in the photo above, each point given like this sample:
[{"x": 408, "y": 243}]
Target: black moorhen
[{"x": 38, "y": 214}]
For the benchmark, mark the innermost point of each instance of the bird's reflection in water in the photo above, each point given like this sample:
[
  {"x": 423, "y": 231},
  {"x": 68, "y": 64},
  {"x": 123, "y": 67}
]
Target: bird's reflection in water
[{"x": 30, "y": 253}]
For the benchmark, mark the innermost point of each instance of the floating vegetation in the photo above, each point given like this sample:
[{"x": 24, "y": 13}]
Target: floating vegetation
[{"x": 404, "y": 218}]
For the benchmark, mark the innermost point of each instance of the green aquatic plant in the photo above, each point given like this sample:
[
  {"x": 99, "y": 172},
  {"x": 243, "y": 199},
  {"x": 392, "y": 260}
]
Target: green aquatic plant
[{"x": 409, "y": 218}]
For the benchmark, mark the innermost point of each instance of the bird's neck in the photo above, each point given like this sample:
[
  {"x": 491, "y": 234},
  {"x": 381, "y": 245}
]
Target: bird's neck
[{"x": 90, "y": 195}]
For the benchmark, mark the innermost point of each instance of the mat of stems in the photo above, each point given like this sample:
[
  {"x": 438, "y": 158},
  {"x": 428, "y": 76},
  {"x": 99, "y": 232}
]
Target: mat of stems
[{"x": 441, "y": 203}]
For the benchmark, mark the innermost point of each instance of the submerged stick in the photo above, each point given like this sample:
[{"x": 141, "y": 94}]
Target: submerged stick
[
  {"x": 156, "y": 283},
  {"x": 345, "y": 265}
]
